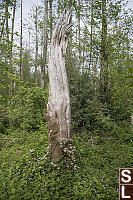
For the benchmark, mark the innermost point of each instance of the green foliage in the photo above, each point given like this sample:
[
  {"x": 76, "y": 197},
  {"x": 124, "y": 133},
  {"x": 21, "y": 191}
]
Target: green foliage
[
  {"x": 27, "y": 64},
  {"x": 22, "y": 157},
  {"x": 26, "y": 172},
  {"x": 102, "y": 148},
  {"x": 101, "y": 158},
  {"x": 103, "y": 133},
  {"x": 4, "y": 120},
  {"x": 27, "y": 108},
  {"x": 121, "y": 102},
  {"x": 130, "y": 76},
  {"x": 84, "y": 100}
]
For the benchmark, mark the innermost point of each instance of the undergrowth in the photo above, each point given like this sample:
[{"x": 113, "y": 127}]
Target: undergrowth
[{"x": 26, "y": 172}]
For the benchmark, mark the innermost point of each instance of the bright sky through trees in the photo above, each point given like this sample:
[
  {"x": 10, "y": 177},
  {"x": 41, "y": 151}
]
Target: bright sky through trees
[{"x": 27, "y": 6}]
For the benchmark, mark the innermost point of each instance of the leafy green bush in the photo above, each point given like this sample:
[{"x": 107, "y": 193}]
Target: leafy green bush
[
  {"x": 84, "y": 101},
  {"x": 27, "y": 108},
  {"x": 4, "y": 120}
]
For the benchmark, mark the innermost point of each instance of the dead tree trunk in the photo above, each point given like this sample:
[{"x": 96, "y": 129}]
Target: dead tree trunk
[{"x": 58, "y": 109}]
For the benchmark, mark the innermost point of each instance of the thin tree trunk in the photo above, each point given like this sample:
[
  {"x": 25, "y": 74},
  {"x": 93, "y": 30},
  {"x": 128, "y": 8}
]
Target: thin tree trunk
[
  {"x": 7, "y": 57},
  {"x": 91, "y": 37},
  {"x": 7, "y": 15},
  {"x": 11, "y": 87},
  {"x": 51, "y": 19},
  {"x": 21, "y": 34},
  {"x": 104, "y": 58},
  {"x": 3, "y": 24},
  {"x": 69, "y": 51},
  {"x": 13, "y": 19},
  {"x": 58, "y": 109},
  {"x": 45, "y": 42},
  {"x": 29, "y": 40},
  {"x": 79, "y": 45},
  {"x": 41, "y": 77},
  {"x": 36, "y": 57}
]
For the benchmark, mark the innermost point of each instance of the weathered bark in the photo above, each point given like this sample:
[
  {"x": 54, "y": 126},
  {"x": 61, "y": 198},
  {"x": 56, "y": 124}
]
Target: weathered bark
[{"x": 58, "y": 109}]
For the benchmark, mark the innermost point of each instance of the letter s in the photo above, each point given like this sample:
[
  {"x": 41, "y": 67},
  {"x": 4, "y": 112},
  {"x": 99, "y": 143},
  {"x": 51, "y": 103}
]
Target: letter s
[{"x": 126, "y": 175}]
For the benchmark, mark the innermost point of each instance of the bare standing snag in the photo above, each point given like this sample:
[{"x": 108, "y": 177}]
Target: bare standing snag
[{"x": 58, "y": 108}]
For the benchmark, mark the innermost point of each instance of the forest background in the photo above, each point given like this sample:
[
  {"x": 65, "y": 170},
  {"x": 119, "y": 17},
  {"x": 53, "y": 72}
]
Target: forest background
[{"x": 100, "y": 75}]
